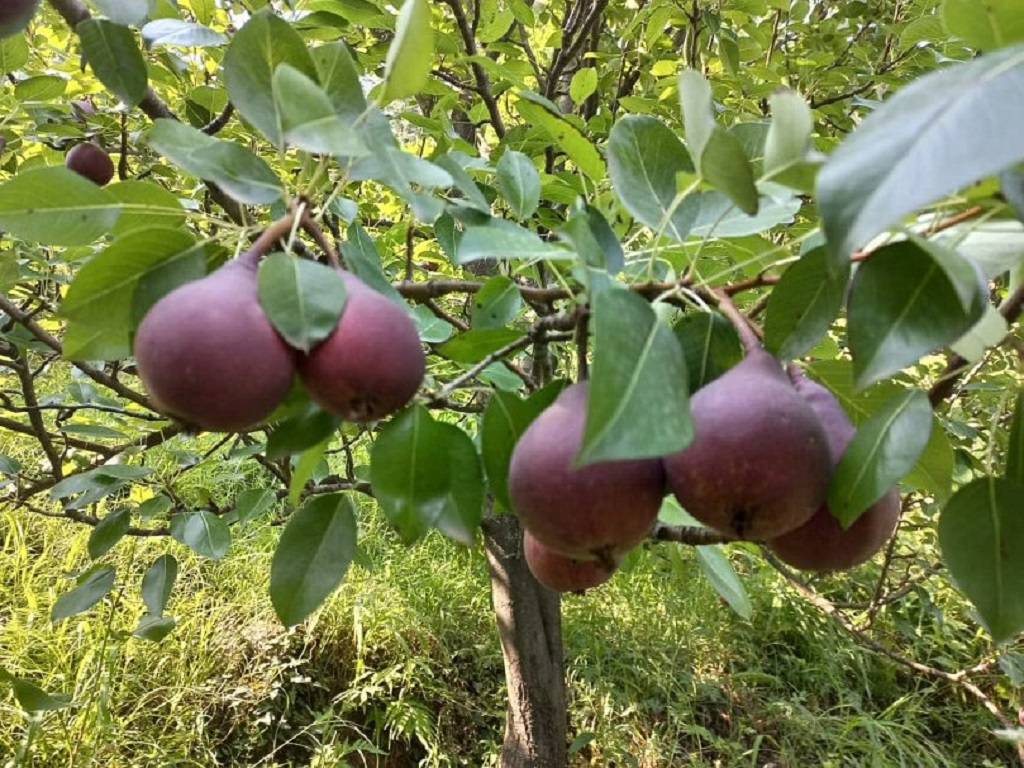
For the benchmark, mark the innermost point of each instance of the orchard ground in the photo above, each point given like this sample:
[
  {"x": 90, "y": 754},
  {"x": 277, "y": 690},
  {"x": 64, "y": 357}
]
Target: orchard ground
[{"x": 404, "y": 666}]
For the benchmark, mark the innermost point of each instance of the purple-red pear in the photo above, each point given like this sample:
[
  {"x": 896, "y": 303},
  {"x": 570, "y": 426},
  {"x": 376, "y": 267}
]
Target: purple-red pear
[
  {"x": 560, "y": 573},
  {"x": 90, "y": 161},
  {"x": 759, "y": 464},
  {"x": 15, "y": 15},
  {"x": 372, "y": 364},
  {"x": 209, "y": 356},
  {"x": 599, "y": 511},
  {"x": 821, "y": 544}
]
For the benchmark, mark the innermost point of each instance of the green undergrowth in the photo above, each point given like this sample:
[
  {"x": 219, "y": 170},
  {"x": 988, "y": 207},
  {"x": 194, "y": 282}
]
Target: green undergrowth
[{"x": 403, "y": 666}]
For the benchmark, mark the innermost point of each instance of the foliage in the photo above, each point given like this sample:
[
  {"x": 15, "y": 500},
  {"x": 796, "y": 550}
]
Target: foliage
[{"x": 521, "y": 179}]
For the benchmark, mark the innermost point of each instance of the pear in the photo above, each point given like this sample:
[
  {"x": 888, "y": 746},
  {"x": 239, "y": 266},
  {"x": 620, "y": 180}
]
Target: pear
[
  {"x": 209, "y": 356},
  {"x": 372, "y": 364},
  {"x": 821, "y": 544},
  {"x": 15, "y": 15},
  {"x": 759, "y": 464},
  {"x": 90, "y": 161},
  {"x": 599, "y": 511},
  {"x": 560, "y": 573}
]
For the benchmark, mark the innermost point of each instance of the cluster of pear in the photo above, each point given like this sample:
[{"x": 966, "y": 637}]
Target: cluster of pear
[
  {"x": 759, "y": 468},
  {"x": 210, "y": 357}
]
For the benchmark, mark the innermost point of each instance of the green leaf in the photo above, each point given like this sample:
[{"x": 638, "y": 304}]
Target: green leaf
[
  {"x": 154, "y": 628},
  {"x": 719, "y": 571},
  {"x": 987, "y": 332},
  {"x": 115, "y": 57},
  {"x": 411, "y": 53},
  {"x": 934, "y": 471},
  {"x": 471, "y": 196},
  {"x": 155, "y": 507},
  {"x": 710, "y": 347},
  {"x": 474, "y": 345},
  {"x": 145, "y": 204},
  {"x": 519, "y": 183},
  {"x": 714, "y": 214},
  {"x": 909, "y": 299},
  {"x": 312, "y": 556},
  {"x": 981, "y": 532},
  {"x": 99, "y": 481},
  {"x": 252, "y": 58},
  {"x": 405, "y": 173},
  {"x": 363, "y": 259},
  {"x": 203, "y": 532},
  {"x": 55, "y": 206},
  {"x": 789, "y": 137},
  {"x": 427, "y": 474},
  {"x": 40, "y": 88},
  {"x": 13, "y": 53},
  {"x": 644, "y": 160},
  {"x": 803, "y": 305},
  {"x": 504, "y": 422},
  {"x": 91, "y": 587},
  {"x": 497, "y": 303},
  {"x": 243, "y": 175},
  {"x": 175, "y": 33},
  {"x": 339, "y": 77},
  {"x": 583, "y": 85},
  {"x": 882, "y": 453},
  {"x": 158, "y": 583},
  {"x": 253, "y": 503},
  {"x": 110, "y": 530},
  {"x": 102, "y": 299},
  {"x": 301, "y": 432},
  {"x": 921, "y": 145},
  {"x": 718, "y": 154},
  {"x": 541, "y": 113},
  {"x": 501, "y": 239},
  {"x": 638, "y": 405},
  {"x": 32, "y": 698},
  {"x": 130, "y": 13},
  {"x": 304, "y": 469},
  {"x": 1015, "y": 446},
  {"x": 308, "y": 119},
  {"x": 985, "y": 25},
  {"x": 303, "y": 299},
  {"x": 595, "y": 241}
]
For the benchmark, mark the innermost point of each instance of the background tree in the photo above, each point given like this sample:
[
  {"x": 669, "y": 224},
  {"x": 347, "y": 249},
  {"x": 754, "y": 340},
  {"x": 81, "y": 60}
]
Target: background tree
[{"x": 617, "y": 192}]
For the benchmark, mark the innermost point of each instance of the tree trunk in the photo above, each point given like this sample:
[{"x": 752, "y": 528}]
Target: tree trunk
[{"x": 530, "y": 627}]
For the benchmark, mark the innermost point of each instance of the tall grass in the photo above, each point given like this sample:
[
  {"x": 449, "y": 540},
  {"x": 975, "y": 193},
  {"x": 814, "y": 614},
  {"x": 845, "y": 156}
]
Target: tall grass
[{"x": 403, "y": 666}]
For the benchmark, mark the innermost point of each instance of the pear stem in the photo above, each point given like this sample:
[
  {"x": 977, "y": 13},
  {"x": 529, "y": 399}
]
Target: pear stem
[
  {"x": 269, "y": 239},
  {"x": 744, "y": 330},
  {"x": 310, "y": 225}
]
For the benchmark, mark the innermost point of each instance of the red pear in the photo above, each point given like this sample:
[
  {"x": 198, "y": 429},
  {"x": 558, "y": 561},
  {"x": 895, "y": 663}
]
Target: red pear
[
  {"x": 759, "y": 464},
  {"x": 210, "y": 357},
  {"x": 90, "y": 161},
  {"x": 372, "y": 364},
  {"x": 560, "y": 573},
  {"x": 15, "y": 15},
  {"x": 594, "y": 512},
  {"x": 821, "y": 544}
]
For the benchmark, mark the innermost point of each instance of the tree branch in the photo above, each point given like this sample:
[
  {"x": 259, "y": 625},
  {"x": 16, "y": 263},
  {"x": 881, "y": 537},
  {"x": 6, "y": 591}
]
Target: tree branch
[{"x": 483, "y": 81}]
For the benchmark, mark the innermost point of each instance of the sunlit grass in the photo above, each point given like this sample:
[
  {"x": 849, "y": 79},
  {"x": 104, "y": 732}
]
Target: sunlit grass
[{"x": 404, "y": 662}]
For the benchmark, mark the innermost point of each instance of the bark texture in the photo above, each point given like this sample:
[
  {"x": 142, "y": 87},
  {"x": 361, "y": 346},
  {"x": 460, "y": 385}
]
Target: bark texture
[{"x": 530, "y": 627}]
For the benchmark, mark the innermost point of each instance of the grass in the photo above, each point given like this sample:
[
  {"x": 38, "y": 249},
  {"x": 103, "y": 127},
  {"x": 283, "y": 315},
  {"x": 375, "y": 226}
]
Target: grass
[{"x": 403, "y": 666}]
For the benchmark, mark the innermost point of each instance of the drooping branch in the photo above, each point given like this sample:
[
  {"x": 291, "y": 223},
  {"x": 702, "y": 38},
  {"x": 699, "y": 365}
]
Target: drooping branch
[{"x": 100, "y": 377}]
